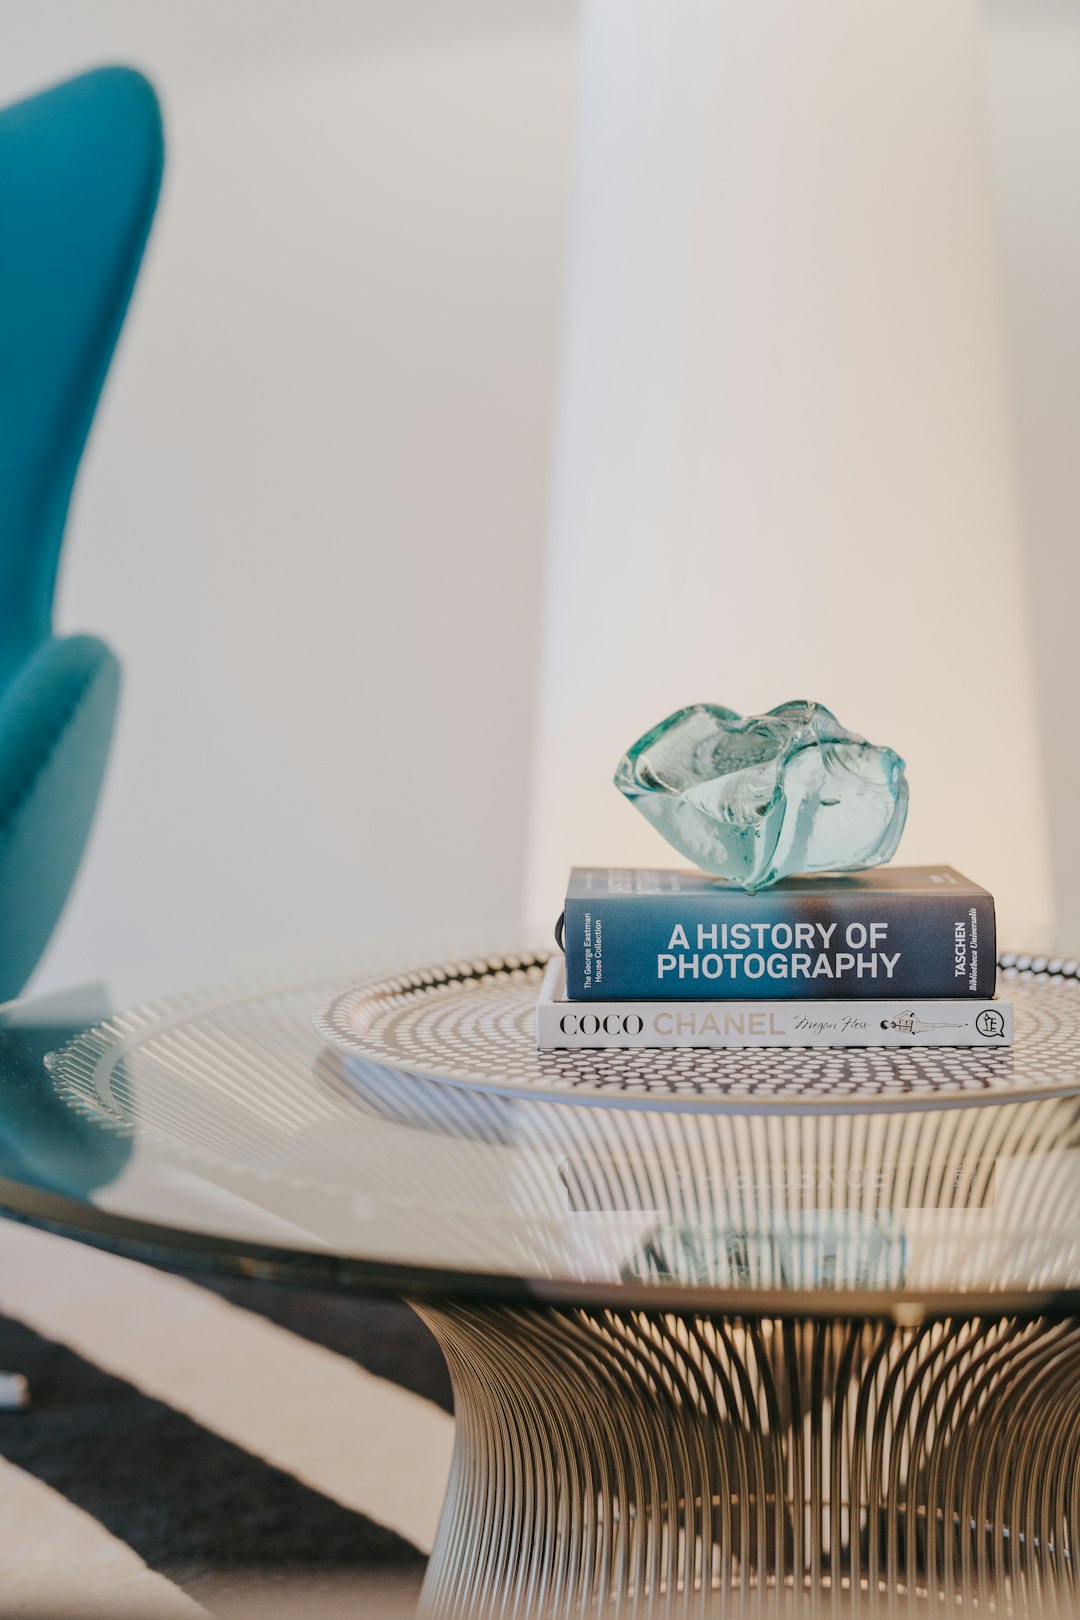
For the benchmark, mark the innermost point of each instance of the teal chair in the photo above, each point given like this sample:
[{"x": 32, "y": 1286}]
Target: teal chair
[{"x": 80, "y": 170}]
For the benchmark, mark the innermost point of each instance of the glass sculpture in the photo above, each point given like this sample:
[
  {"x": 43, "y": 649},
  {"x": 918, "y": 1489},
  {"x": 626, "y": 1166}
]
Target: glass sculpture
[{"x": 755, "y": 798}]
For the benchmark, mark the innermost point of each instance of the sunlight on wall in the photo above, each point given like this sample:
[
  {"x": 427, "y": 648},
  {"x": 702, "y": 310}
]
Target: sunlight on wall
[{"x": 785, "y": 465}]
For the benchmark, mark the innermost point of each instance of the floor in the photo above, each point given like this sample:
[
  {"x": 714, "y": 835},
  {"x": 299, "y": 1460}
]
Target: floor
[{"x": 198, "y": 1446}]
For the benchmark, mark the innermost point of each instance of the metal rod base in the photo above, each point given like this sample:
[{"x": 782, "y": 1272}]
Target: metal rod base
[{"x": 639, "y": 1464}]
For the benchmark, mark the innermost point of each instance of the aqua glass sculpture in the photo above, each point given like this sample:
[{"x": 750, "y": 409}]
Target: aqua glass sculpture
[{"x": 753, "y": 799}]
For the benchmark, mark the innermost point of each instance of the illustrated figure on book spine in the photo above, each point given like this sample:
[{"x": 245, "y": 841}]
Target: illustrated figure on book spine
[{"x": 906, "y": 1023}]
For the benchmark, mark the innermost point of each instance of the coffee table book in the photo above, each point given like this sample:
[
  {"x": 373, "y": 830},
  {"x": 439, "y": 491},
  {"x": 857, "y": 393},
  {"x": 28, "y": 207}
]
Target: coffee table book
[
  {"x": 893, "y": 931},
  {"x": 926, "y": 1022}
]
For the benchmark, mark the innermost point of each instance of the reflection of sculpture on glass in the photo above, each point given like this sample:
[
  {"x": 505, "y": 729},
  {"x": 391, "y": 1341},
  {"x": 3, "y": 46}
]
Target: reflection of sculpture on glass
[{"x": 802, "y": 1248}]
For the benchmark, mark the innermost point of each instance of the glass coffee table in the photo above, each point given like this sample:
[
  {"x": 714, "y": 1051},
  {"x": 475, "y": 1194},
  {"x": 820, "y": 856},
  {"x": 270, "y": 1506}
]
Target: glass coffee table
[{"x": 728, "y": 1332}]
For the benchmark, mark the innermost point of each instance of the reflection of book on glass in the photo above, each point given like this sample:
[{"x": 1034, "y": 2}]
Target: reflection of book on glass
[
  {"x": 924, "y": 1180},
  {"x": 596, "y": 1024}
]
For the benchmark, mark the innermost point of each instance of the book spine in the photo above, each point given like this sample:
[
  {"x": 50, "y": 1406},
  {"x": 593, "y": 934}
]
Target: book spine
[
  {"x": 778, "y": 946},
  {"x": 929, "y": 1023}
]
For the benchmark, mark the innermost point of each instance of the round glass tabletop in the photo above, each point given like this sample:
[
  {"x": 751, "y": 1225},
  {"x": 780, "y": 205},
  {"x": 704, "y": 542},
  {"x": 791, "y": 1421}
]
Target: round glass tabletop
[{"x": 221, "y": 1127}]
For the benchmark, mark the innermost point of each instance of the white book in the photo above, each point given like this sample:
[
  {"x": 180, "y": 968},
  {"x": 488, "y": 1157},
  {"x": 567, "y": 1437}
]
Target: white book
[{"x": 597, "y": 1024}]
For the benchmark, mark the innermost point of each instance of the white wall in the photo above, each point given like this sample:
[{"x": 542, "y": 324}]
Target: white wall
[
  {"x": 785, "y": 462},
  {"x": 1032, "y": 65},
  {"x": 312, "y": 514}
]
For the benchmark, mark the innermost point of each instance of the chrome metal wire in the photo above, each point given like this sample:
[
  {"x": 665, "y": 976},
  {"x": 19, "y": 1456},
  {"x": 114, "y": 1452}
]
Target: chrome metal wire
[{"x": 645, "y": 1463}]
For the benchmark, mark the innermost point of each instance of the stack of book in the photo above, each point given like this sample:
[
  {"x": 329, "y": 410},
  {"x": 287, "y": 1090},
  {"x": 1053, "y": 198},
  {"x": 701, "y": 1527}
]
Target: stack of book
[{"x": 894, "y": 956}]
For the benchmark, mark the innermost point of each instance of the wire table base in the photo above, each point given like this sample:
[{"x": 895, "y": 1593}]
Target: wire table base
[{"x": 633, "y": 1463}]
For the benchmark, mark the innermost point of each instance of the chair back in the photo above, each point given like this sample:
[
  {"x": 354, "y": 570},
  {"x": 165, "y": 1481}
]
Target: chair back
[{"x": 80, "y": 170}]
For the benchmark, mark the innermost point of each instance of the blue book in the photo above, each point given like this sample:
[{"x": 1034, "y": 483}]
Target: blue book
[{"x": 892, "y": 931}]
